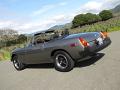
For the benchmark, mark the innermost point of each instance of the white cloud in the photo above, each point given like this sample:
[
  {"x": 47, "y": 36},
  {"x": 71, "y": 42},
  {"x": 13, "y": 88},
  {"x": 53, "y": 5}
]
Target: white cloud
[
  {"x": 5, "y": 23},
  {"x": 30, "y": 27},
  {"x": 95, "y": 6},
  {"x": 92, "y": 6}
]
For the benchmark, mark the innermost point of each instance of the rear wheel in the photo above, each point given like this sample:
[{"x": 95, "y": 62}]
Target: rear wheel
[
  {"x": 63, "y": 62},
  {"x": 17, "y": 64}
]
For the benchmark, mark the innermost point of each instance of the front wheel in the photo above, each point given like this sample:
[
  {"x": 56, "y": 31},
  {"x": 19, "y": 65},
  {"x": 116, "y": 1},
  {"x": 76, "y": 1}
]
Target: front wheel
[
  {"x": 17, "y": 64},
  {"x": 63, "y": 62}
]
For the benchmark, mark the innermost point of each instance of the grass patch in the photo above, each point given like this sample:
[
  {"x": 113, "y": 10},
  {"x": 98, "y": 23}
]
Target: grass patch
[
  {"x": 7, "y": 55},
  {"x": 4, "y": 55},
  {"x": 114, "y": 29}
]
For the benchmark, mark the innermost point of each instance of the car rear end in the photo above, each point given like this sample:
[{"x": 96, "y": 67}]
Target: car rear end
[
  {"x": 85, "y": 45},
  {"x": 93, "y": 42}
]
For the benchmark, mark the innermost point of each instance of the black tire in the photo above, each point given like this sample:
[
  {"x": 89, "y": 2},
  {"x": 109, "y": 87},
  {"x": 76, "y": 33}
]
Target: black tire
[
  {"x": 17, "y": 64},
  {"x": 63, "y": 62}
]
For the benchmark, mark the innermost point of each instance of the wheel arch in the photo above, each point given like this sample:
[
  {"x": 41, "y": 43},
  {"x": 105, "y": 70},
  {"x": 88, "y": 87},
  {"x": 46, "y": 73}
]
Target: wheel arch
[
  {"x": 13, "y": 56},
  {"x": 54, "y": 51}
]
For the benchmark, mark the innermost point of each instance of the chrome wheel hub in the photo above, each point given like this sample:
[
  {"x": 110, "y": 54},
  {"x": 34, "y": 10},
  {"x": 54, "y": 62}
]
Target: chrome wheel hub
[
  {"x": 61, "y": 61},
  {"x": 16, "y": 64}
]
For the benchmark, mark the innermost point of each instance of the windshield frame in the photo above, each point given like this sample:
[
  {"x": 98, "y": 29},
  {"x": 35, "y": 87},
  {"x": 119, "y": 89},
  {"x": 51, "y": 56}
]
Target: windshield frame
[{"x": 50, "y": 37}]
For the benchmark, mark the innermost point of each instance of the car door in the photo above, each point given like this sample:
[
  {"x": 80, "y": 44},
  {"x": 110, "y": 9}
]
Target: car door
[{"x": 35, "y": 54}]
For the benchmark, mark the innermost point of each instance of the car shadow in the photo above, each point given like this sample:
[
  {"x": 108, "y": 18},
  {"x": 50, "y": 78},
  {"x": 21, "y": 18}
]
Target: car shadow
[
  {"x": 90, "y": 61},
  {"x": 85, "y": 63},
  {"x": 41, "y": 66}
]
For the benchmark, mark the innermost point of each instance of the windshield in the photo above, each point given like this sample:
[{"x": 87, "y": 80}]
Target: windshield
[{"x": 45, "y": 37}]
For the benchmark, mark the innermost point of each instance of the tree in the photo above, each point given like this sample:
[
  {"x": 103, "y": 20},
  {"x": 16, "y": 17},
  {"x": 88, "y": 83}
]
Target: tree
[
  {"x": 79, "y": 20},
  {"x": 6, "y": 36},
  {"x": 92, "y": 18},
  {"x": 83, "y": 19},
  {"x": 105, "y": 14},
  {"x": 22, "y": 38}
]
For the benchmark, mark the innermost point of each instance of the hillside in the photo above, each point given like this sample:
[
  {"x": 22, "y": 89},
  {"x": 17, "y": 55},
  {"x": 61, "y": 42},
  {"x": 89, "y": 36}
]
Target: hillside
[
  {"x": 61, "y": 27},
  {"x": 110, "y": 25},
  {"x": 116, "y": 10}
]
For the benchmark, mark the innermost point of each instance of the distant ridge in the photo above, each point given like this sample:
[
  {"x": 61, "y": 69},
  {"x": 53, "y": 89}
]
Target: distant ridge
[{"x": 116, "y": 10}]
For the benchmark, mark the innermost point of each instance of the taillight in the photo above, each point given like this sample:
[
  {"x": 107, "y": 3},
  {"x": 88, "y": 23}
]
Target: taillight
[
  {"x": 104, "y": 34},
  {"x": 84, "y": 42}
]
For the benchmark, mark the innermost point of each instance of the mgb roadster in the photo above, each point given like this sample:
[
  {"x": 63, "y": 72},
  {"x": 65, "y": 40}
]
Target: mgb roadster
[{"x": 63, "y": 50}]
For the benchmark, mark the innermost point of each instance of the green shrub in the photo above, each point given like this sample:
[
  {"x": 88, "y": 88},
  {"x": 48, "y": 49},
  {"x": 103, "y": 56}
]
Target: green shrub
[
  {"x": 83, "y": 19},
  {"x": 105, "y": 14}
]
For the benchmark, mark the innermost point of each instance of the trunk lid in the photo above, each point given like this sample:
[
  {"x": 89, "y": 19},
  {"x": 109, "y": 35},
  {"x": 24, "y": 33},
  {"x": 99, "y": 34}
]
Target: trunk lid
[{"x": 90, "y": 36}]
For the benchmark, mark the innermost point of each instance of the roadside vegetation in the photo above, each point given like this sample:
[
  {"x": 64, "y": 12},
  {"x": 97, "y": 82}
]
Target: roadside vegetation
[
  {"x": 9, "y": 40},
  {"x": 110, "y": 25}
]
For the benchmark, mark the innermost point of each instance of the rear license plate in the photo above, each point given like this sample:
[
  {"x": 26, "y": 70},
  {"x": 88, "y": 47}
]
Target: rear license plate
[{"x": 100, "y": 41}]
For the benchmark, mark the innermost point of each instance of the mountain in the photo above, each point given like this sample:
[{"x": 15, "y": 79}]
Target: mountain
[
  {"x": 116, "y": 10},
  {"x": 61, "y": 27},
  {"x": 57, "y": 27}
]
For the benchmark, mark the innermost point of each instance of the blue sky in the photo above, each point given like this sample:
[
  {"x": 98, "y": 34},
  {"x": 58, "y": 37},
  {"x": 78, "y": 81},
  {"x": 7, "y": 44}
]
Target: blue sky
[{"x": 28, "y": 16}]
